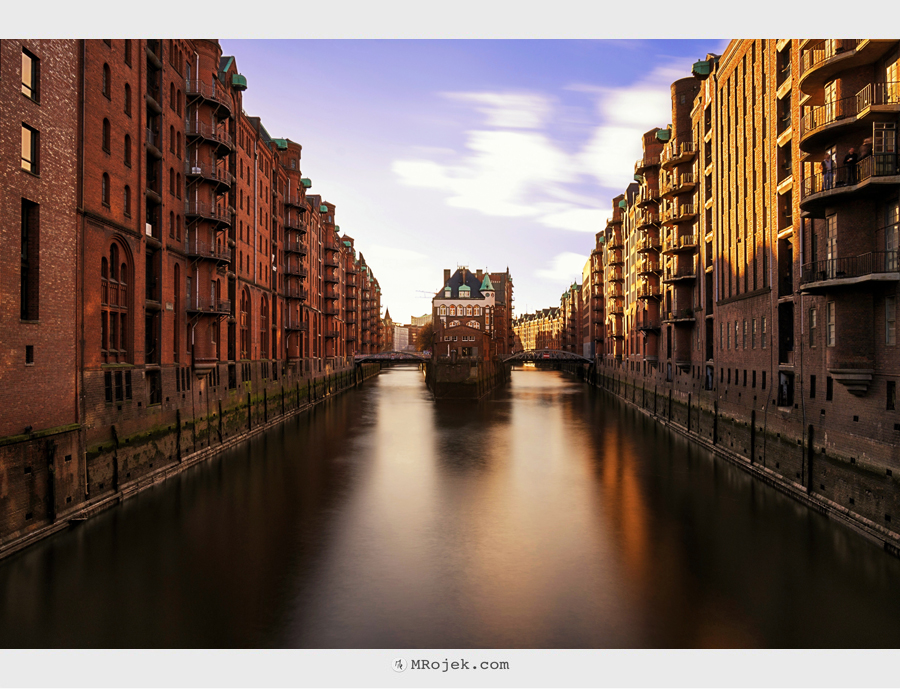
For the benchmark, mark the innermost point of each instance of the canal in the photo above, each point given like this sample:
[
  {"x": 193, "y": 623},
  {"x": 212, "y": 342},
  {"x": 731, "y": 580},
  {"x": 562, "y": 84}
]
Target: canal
[{"x": 546, "y": 515}]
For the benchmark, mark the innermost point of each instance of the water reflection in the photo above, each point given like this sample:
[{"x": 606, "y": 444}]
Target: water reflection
[{"x": 547, "y": 515}]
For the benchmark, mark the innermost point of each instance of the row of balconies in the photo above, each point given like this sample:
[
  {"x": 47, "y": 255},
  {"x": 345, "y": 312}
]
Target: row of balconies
[
  {"x": 836, "y": 272},
  {"x": 851, "y": 109}
]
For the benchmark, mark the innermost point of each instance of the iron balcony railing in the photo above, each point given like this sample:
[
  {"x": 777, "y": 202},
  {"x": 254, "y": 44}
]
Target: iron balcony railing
[
  {"x": 208, "y": 132},
  {"x": 686, "y": 241},
  {"x": 879, "y": 93},
  {"x": 201, "y": 249},
  {"x": 197, "y": 304},
  {"x": 616, "y": 258},
  {"x": 294, "y": 246},
  {"x": 817, "y": 53},
  {"x": 647, "y": 218},
  {"x": 212, "y": 92},
  {"x": 645, "y": 162},
  {"x": 208, "y": 210},
  {"x": 876, "y": 165},
  {"x": 298, "y": 325},
  {"x": 680, "y": 314},
  {"x": 295, "y": 292},
  {"x": 850, "y": 267},
  {"x": 677, "y": 150},
  {"x": 647, "y": 291},
  {"x": 616, "y": 240},
  {"x": 677, "y": 182},
  {"x": 294, "y": 200},
  {"x": 154, "y": 139},
  {"x": 295, "y": 271},
  {"x": 647, "y": 322},
  {"x": 648, "y": 267},
  {"x": 208, "y": 171},
  {"x": 678, "y": 273},
  {"x": 331, "y": 310}
]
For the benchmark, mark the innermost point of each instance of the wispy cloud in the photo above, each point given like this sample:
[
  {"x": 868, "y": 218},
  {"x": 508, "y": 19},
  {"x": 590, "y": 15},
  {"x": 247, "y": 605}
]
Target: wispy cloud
[
  {"x": 564, "y": 268},
  {"x": 508, "y": 110}
]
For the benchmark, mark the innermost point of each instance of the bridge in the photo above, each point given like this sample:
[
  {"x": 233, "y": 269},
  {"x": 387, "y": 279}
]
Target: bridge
[
  {"x": 547, "y": 356},
  {"x": 389, "y": 358}
]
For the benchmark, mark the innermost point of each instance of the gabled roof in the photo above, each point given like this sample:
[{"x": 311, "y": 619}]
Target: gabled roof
[
  {"x": 471, "y": 283},
  {"x": 486, "y": 284}
]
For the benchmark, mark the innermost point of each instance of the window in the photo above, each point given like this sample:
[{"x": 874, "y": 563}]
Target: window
[
  {"x": 171, "y": 138},
  {"x": 172, "y": 224},
  {"x": 128, "y": 100},
  {"x": 172, "y": 96},
  {"x": 737, "y": 332},
  {"x": 753, "y": 336},
  {"x": 30, "y": 149},
  {"x": 891, "y": 395},
  {"x": 762, "y": 337},
  {"x": 890, "y": 320},
  {"x": 829, "y": 324},
  {"x": 104, "y": 190},
  {"x": 127, "y": 42},
  {"x": 128, "y": 150},
  {"x": 30, "y": 257},
  {"x": 744, "y": 344},
  {"x": 812, "y": 387},
  {"x": 829, "y": 388},
  {"x": 105, "y": 84},
  {"x": 127, "y": 200},
  {"x": 813, "y": 327},
  {"x": 178, "y": 227},
  {"x": 114, "y": 305},
  {"x": 172, "y": 181},
  {"x": 30, "y": 75},
  {"x": 245, "y": 325},
  {"x": 105, "y": 135}
]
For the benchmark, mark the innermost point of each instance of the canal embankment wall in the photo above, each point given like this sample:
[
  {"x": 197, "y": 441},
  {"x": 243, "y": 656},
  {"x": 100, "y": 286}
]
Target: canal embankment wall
[
  {"x": 53, "y": 479},
  {"x": 852, "y": 477},
  {"x": 465, "y": 379}
]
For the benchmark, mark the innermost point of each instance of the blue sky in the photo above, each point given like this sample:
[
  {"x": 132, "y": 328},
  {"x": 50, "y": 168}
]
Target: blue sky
[{"x": 488, "y": 153}]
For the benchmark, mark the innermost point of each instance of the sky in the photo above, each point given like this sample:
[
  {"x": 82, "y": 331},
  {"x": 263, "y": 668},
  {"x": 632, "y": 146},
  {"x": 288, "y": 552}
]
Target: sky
[{"x": 488, "y": 154}]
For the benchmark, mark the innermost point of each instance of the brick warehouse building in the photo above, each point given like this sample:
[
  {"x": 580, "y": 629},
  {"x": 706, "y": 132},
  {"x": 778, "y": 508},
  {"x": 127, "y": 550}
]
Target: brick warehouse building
[
  {"x": 751, "y": 270},
  {"x": 189, "y": 271}
]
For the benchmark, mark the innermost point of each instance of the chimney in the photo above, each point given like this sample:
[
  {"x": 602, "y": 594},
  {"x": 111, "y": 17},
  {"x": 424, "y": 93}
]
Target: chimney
[
  {"x": 446, "y": 276},
  {"x": 479, "y": 274}
]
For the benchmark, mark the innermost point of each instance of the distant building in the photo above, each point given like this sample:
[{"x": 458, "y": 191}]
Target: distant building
[{"x": 465, "y": 317}]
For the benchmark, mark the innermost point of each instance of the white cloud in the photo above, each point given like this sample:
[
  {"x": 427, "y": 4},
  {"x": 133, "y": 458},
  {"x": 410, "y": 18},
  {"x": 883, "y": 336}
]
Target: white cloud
[
  {"x": 508, "y": 110},
  {"x": 565, "y": 268},
  {"x": 578, "y": 219}
]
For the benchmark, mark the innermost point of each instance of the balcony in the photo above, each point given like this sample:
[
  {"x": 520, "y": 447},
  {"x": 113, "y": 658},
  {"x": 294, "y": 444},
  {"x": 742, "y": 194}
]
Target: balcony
[
  {"x": 295, "y": 246},
  {"x": 210, "y": 173},
  {"x": 206, "y": 132},
  {"x": 154, "y": 143},
  {"x": 680, "y": 316},
  {"x": 873, "y": 174},
  {"x": 647, "y": 322},
  {"x": 648, "y": 291},
  {"x": 648, "y": 195},
  {"x": 648, "y": 242},
  {"x": 616, "y": 330},
  {"x": 616, "y": 240},
  {"x": 684, "y": 243},
  {"x": 295, "y": 292},
  {"x": 295, "y": 201},
  {"x": 196, "y": 248},
  {"x": 646, "y": 219},
  {"x": 821, "y": 61},
  {"x": 331, "y": 263},
  {"x": 648, "y": 267},
  {"x": 616, "y": 307},
  {"x": 678, "y": 274},
  {"x": 678, "y": 184},
  {"x": 217, "y": 307},
  {"x": 296, "y": 325},
  {"x": 293, "y": 221},
  {"x": 834, "y": 273},
  {"x": 207, "y": 211},
  {"x": 213, "y": 93},
  {"x": 331, "y": 311},
  {"x": 676, "y": 213},
  {"x": 616, "y": 258},
  {"x": 615, "y": 290},
  {"x": 615, "y": 276},
  {"x": 331, "y": 277},
  {"x": 820, "y": 122},
  {"x": 647, "y": 161},
  {"x": 614, "y": 221},
  {"x": 295, "y": 271},
  {"x": 329, "y": 334},
  {"x": 676, "y": 152}
]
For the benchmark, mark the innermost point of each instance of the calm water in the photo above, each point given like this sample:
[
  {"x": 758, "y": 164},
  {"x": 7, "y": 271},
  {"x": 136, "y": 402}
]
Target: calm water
[{"x": 546, "y": 516}]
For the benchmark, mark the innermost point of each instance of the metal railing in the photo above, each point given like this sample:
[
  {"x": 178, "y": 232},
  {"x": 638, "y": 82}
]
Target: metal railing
[
  {"x": 196, "y": 247},
  {"x": 295, "y": 271},
  {"x": 295, "y": 292},
  {"x": 300, "y": 326},
  {"x": 676, "y": 273},
  {"x": 647, "y": 322},
  {"x": 213, "y": 92},
  {"x": 879, "y": 93},
  {"x": 295, "y": 246},
  {"x": 646, "y": 291},
  {"x": 680, "y": 314},
  {"x": 875, "y": 165},
  {"x": 649, "y": 267},
  {"x": 208, "y": 305},
  {"x": 850, "y": 267},
  {"x": 616, "y": 239},
  {"x": 677, "y": 149},
  {"x": 823, "y": 50},
  {"x": 208, "y": 171},
  {"x": 646, "y": 161},
  {"x": 207, "y": 131},
  {"x": 207, "y": 210},
  {"x": 294, "y": 200}
]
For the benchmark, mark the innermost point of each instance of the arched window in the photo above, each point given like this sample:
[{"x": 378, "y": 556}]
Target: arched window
[
  {"x": 128, "y": 150},
  {"x": 128, "y": 100},
  {"x": 104, "y": 189},
  {"x": 452, "y": 310},
  {"x": 172, "y": 181},
  {"x": 172, "y": 138},
  {"x": 178, "y": 227},
  {"x": 245, "y": 325},
  {"x": 114, "y": 279},
  {"x": 178, "y": 184},
  {"x": 264, "y": 328},
  {"x": 172, "y": 224},
  {"x": 178, "y": 101},
  {"x": 127, "y": 200},
  {"x": 128, "y": 52},
  {"x": 442, "y": 311},
  {"x": 105, "y": 139},
  {"x": 468, "y": 310},
  {"x": 172, "y": 96},
  {"x": 105, "y": 85},
  {"x": 178, "y": 144},
  {"x": 477, "y": 311}
]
